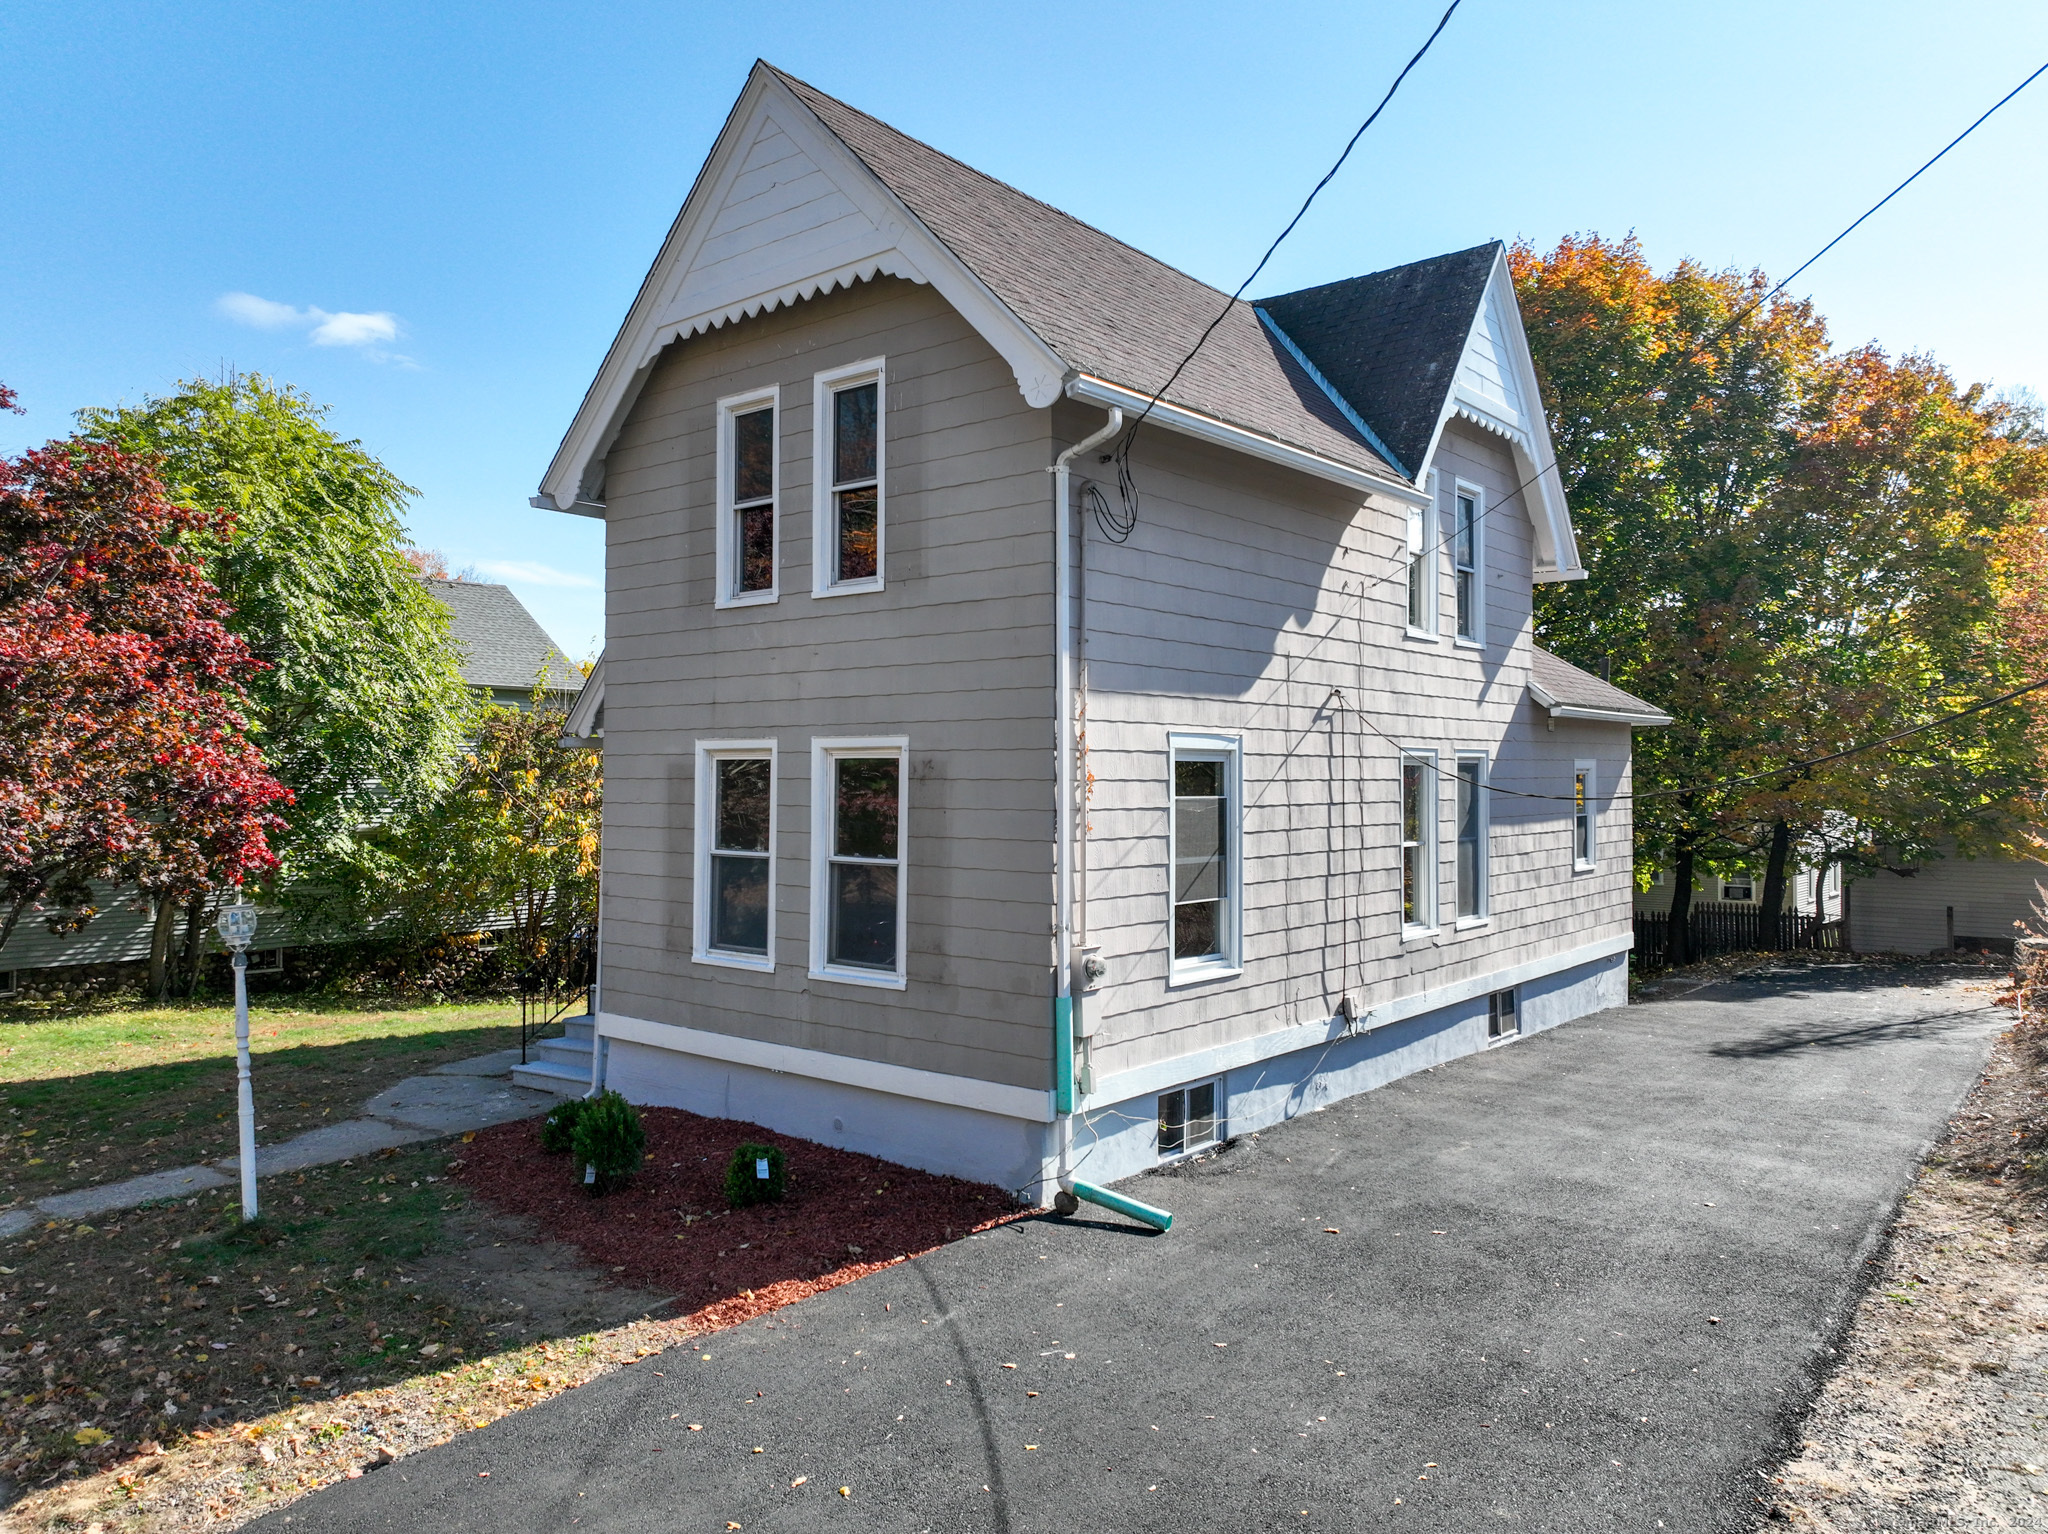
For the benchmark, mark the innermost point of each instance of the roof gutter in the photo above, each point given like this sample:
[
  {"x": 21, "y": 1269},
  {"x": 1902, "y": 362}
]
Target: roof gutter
[
  {"x": 1090, "y": 390},
  {"x": 1647, "y": 719}
]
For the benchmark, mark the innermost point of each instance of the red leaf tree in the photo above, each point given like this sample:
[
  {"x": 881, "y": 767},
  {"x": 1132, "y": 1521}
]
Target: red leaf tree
[{"x": 123, "y": 756}]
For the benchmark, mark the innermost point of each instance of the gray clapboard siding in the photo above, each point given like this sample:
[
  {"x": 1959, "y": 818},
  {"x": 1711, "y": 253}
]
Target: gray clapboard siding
[{"x": 954, "y": 652}]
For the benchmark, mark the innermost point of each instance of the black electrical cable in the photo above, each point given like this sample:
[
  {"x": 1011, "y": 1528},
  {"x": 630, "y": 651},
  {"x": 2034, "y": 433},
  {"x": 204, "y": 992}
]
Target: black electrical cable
[
  {"x": 1400, "y": 563},
  {"x": 1127, "y": 487}
]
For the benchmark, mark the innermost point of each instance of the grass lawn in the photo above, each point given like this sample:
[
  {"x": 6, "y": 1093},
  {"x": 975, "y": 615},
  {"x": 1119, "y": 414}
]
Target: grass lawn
[
  {"x": 100, "y": 1096},
  {"x": 175, "y": 1319}
]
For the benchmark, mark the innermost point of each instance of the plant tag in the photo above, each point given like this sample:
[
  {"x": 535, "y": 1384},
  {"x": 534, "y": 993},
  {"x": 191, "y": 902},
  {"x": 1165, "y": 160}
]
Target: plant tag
[
  {"x": 761, "y": 1168},
  {"x": 590, "y": 1171}
]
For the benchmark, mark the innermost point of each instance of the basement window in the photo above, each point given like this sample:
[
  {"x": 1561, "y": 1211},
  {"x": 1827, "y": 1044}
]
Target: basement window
[
  {"x": 1188, "y": 1119},
  {"x": 8, "y": 983},
  {"x": 265, "y": 961},
  {"x": 1503, "y": 1016}
]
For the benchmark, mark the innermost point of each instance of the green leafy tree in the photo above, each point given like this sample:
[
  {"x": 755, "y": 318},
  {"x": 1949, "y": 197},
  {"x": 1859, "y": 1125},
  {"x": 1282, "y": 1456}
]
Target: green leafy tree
[
  {"x": 1792, "y": 550},
  {"x": 362, "y": 710}
]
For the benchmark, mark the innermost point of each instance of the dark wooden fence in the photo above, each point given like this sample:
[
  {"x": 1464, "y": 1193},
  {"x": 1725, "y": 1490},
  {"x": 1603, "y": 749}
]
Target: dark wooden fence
[{"x": 1718, "y": 927}]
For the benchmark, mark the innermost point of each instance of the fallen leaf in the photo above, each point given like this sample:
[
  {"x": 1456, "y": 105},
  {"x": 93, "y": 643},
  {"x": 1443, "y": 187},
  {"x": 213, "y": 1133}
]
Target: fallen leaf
[
  {"x": 1029, "y": 1447},
  {"x": 1009, "y": 1366},
  {"x": 799, "y": 1481},
  {"x": 759, "y": 1450},
  {"x": 696, "y": 1427},
  {"x": 90, "y": 1435},
  {"x": 1331, "y": 1230},
  {"x": 845, "y": 1491}
]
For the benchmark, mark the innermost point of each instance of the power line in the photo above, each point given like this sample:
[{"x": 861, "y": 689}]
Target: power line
[
  {"x": 1400, "y": 562},
  {"x": 1126, "y": 486},
  {"x": 1804, "y": 765}
]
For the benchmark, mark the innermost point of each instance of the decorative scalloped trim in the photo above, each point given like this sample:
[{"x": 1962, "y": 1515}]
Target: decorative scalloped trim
[{"x": 891, "y": 263}]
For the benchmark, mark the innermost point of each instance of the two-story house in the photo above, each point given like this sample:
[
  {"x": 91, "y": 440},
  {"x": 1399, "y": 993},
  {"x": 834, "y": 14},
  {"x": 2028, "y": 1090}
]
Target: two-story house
[{"x": 967, "y": 807}]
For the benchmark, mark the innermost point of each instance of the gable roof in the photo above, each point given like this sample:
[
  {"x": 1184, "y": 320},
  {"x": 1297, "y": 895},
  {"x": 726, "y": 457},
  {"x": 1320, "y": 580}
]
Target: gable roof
[
  {"x": 1390, "y": 342},
  {"x": 1569, "y": 693},
  {"x": 501, "y": 644}
]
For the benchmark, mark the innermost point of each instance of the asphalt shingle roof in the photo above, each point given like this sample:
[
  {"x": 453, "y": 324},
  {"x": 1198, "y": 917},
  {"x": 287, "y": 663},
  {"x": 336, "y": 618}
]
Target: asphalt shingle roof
[
  {"x": 501, "y": 644},
  {"x": 1390, "y": 342},
  {"x": 1581, "y": 689},
  {"x": 1104, "y": 307}
]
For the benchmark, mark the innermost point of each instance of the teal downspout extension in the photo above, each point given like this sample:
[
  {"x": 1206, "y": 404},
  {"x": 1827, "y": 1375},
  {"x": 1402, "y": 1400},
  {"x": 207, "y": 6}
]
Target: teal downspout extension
[{"x": 1158, "y": 1219}]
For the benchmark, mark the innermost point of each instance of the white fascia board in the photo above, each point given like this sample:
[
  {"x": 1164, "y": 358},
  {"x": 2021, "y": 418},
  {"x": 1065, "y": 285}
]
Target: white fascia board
[
  {"x": 1144, "y": 1080},
  {"x": 580, "y": 726},
  {"x": 1528, "y": 434},
  {"x": 1647, "y": 718},
  {"x": 1027, "y": 1103},
  {"x": 1098, "y": 391},
  {"x": 898, "y": 245}
]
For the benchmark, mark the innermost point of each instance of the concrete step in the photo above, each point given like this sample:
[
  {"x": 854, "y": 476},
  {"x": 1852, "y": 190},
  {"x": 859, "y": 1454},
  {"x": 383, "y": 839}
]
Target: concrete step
[
  {"x": 562, "y": 1051},
  {"x": 553, "y": 1076},
  {"x": 582, "y": 1027}
]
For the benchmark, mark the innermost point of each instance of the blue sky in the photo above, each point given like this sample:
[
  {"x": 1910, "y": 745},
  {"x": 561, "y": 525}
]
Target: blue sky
[{"x": 436, "y": 215}]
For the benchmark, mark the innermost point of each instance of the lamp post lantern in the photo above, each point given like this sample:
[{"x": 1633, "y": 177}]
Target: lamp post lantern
[{"x": 237, "y": 927}]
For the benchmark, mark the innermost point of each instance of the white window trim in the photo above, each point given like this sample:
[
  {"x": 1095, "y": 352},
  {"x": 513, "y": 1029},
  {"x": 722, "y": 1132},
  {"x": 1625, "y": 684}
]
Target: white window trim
[
  {"x": 725, "y": 592},
  {"x": 1417, "y": 554},
  {"x": 1433, "y": 851},
  {"x": 823, "y": 753},
  {"x": 1222, "y": 1120},
  {"x": 823, "y": 524},
  {"x": 1458, "y": 488},
  {"x": 1498, "y": 1040},
  {"x": 1231, "y": 962},
  {"x": 1590, "y": 864},
  {"x": 709, "y": 753},
  {"x": 1485, "y": 913}
]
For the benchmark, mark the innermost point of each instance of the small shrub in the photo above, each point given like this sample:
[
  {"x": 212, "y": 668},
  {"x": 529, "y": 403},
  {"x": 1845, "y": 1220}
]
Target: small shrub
[
  {"x": 608, "y": 1142},
  {"x": 558, "y": 1129},
  {"x": 744, "y": 1183}
]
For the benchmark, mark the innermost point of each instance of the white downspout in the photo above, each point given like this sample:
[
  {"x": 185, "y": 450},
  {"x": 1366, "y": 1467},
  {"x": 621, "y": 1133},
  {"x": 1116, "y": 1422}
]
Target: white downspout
[{"x": 1063, "y": 786}]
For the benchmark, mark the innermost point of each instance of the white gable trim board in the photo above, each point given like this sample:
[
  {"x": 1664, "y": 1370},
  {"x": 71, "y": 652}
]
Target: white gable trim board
[
  {"x": 1495, "y": 388},
  {"x": 781, "y": 212}
]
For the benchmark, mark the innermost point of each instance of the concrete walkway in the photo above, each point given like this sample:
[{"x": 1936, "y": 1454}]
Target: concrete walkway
[
  {"x": 1586, "y": 1281},
  {"x": 462, "y": 1095}
]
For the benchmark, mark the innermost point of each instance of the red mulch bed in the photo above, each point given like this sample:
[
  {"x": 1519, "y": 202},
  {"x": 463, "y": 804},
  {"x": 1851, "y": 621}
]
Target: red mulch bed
[{"x": 844, "y": 1215}]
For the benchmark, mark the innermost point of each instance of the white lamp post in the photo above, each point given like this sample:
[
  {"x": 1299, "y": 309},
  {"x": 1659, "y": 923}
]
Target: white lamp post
[{"x": 237, "y": 927}]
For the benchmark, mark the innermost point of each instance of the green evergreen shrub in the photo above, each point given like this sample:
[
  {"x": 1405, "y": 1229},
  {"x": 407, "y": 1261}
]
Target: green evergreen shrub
[
  {"x": 744, "y": 1183},
  {"x": 609, "y": 1142},
  {"x": 558, "y": 1129}
]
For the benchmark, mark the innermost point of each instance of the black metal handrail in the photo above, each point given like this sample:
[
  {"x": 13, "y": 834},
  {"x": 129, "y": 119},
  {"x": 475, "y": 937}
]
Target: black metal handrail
[{"x": 555, "y": 983}]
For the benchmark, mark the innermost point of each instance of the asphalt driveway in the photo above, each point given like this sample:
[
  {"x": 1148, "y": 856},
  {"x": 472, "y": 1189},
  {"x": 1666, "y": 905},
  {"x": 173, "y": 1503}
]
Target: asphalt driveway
[{"x": 1583, "y": 1282}]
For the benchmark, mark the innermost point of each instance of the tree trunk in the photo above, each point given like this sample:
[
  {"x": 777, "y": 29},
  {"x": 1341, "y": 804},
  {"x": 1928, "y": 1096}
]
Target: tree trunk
[
  {"x": 160, "y": 948},
  {"x": 13, "y": 917},
  {"x": 195, "y": 949},
  {"x": 1681, "y": 907},
  {"x": 1774, "y": 884}
]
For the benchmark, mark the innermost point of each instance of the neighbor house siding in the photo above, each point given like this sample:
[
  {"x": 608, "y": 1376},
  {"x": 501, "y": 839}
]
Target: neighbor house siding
[
  {"x": 954, "y": 653},
  {"x": 1911, "y": 913},
  {"x": 1244, "y": 600}
]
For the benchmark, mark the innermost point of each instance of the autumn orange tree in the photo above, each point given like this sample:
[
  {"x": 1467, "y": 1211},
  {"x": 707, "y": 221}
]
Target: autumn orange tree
[{"x": 1792, "y": 550}]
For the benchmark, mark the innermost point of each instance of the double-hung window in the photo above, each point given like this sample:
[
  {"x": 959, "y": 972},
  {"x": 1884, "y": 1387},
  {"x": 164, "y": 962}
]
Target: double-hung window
[
  {"x": 735, "y": 875},
  {"x": 749, "y": 464},
  {"x": 1421, "y": 567},
  {"x": 1471, "y": 822},
  {"x": 846, "y": 544},
  {"x": 1206, "y": 844},
  {"x": 1585, "y": 844},
  {"x": 1418, "y": 840},
  {"x": 857, "y": 863},
  {"x": 1466, "y": 562}
]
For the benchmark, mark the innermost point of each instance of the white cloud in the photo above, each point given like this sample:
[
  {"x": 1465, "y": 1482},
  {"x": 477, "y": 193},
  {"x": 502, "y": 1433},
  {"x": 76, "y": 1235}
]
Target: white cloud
[
  {"x": 365, "y": 331},
  {"x": 248, "y": 309},
  {"x": 353, "y": 329},
  {"x": 531, "y": 574}
]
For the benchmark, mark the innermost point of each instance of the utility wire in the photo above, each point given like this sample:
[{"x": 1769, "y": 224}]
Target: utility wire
[
  {"x": 1400, "y": 562},
  {"x": 1803, "y": 765},
  {"x": 1126, "y": 486}
]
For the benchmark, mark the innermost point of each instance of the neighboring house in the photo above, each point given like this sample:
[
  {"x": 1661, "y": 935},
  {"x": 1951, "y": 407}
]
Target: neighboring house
[
  {"x": 504, "y": 653},
  {"x": 1746, "y": 888},
  {"x": 951, "y": 817},
  {"x": 1946, "y": 904}
]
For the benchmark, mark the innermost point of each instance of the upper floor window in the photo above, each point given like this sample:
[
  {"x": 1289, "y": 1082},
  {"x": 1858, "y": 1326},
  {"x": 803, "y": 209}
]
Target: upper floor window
[
  {"x": 1466, "y": 546},
  {"x": 735, "y": 897},
  {"x": 1421, "y": 587},
  {"x": 1205, "y": 838},
  {"x": 1584, "y": 841},
  {"x": 857, "y": 864},
  {"x": 749, "y": 464},
  {"x": 1418, "y": 840},
  {"x": 847, "y": 512}
]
